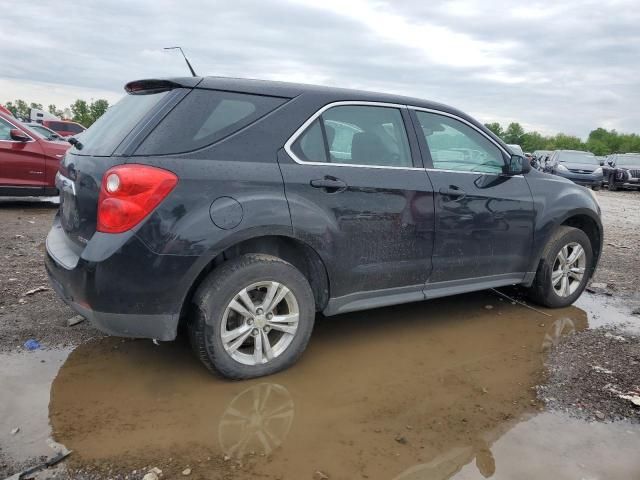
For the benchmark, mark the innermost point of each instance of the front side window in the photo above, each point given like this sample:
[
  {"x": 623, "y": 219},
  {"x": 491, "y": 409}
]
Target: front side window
[
  {"x": 356, "y": 135},
  {"x": 456, "y": 146},
  {"x": 5, "y": 130}
]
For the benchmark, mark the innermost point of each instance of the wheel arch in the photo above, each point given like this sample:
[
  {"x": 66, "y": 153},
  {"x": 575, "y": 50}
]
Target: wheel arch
[
  {"x": 290, "y": 249},
  {"x": 592, "y": 227},
  {"x": 584, "y": 219}
]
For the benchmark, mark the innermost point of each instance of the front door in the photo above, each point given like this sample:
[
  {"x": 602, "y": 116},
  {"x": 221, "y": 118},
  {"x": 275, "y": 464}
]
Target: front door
[
  {"x": 484, "y": 217},
  {"x": 22, "y": 164},
  {"x": 357, "y": 195}
]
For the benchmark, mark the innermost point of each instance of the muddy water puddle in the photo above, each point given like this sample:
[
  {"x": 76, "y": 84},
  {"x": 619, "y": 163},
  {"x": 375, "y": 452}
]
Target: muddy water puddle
[{"x": 434, "y": 390}]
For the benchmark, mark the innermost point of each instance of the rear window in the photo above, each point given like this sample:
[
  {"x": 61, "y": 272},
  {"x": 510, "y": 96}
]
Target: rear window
[
  {"x": 74, "y": 128},
  {"x": 205, "y": 117},
  {"x": 104, "y": 136}
]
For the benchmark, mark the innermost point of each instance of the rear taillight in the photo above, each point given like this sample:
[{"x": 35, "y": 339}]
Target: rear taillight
[{"x": 129, "y": 193}]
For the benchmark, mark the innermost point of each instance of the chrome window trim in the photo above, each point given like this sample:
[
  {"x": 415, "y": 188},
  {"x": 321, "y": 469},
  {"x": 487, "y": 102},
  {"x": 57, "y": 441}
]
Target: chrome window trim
[{"x": 310, "y": 120}]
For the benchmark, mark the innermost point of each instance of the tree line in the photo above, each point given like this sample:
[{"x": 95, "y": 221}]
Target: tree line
[
  {"x": 600, "y": 141},
  {"x": 81, "y": 111}
]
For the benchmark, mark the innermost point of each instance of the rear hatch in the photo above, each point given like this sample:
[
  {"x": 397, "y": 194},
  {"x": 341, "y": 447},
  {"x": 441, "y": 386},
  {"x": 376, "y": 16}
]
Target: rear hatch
[{"x": 106, "y": 144}]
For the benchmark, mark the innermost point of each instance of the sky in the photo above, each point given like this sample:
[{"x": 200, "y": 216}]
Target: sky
[{"x": 554, "y": 66}]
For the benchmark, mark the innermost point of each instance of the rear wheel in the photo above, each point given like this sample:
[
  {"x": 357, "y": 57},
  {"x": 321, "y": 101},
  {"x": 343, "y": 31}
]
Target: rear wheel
[
  {"x": 564, "y": 269},
  {"x": 253, "y": 317}
]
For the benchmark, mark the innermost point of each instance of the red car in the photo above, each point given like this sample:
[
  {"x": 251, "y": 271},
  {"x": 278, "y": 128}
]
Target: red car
[
  {"x": 28, "y": 162},
  {"x": 64, "y": 128}
]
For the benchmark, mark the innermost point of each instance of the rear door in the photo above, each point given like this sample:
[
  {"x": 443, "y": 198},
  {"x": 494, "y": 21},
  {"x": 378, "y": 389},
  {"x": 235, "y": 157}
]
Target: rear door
[
  {"x": 358, "y": 195},
  {"x": 22, "y": 164},
  {"x": 484, "y": 217}
]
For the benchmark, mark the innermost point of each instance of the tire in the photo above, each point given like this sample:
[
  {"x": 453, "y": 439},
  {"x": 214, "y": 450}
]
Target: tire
[
  {"x": 542, "y": 291},
  {"x": 212, "y": 314},
  {"x": 612, "y": 186},
  {"x": 597, "y": 187}
]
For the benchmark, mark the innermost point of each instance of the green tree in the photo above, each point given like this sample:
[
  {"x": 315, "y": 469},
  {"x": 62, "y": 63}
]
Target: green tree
[
  {"x": 565, "y": 142},
  {"x": 53, "y": 110},
  {"x": 81, "y": 113},
  {"x": 513, "y": 133},
  {"x": 19, "y": 108},
  {"x": 532, "y": 141},
  {"x": 496, "y": 128},
  {"x": 97, "y": 109}
]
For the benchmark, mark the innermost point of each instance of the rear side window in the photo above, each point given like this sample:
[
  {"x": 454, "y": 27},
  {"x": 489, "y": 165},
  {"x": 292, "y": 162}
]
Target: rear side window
[{"x": 205, "y": 117}]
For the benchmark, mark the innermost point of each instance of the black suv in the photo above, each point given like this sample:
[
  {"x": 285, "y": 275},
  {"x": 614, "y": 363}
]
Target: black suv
[
  {"x": 240, "y": 208},
  {"x": 622, "y": 170}
]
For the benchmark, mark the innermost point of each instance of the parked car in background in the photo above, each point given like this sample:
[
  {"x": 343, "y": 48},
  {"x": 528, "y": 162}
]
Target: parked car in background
[
  {"x": 622, "y": 170},
  {"x": 240, "y": 208},
  {"x": 580, "y": 167},
  {"x": 28, "y": 161},
  {"x": 64, "y": 128},
  {"x": 517, "y": 149},
  {"x": 542, "y": 157},
  {"x": 44, "y": 132}
]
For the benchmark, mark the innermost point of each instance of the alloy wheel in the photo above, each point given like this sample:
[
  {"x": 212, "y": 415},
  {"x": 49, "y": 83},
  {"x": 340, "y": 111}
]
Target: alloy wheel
[
  {"x": 260, "y": 323},
  {"x": 568, "y": 269}
]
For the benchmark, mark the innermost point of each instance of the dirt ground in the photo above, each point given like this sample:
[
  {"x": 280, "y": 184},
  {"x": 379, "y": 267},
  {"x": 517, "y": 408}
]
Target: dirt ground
[{"x": 465, "y": 387}]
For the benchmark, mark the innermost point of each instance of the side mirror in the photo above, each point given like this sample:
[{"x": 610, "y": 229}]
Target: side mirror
[
  {"x": 518, "y": 165},
  {"x": 18, "y": 135}
]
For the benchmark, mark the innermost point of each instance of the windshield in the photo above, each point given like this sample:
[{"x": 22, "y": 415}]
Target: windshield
[
  {"x": 104, "y": 136},
  {"x": 579, "y": 157},
  {"x": 628, "y": 160}
]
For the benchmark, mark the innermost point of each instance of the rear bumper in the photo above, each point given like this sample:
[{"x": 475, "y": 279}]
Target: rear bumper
[{"x": 131, "y": 292}]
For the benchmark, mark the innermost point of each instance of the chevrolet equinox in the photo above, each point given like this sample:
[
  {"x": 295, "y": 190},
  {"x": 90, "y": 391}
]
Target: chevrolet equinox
[{"x": 240, "y": 208}]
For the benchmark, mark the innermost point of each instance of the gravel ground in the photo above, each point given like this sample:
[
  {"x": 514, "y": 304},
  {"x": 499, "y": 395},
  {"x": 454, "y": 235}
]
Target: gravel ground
[
  {"x": 590, "y": 372},
  {"x": 42, "y": 315},
  {"x": 619, "y": 266}
]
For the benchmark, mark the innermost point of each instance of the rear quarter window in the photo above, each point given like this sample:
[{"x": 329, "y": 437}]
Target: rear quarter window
[{"x": 205, "y": 117}]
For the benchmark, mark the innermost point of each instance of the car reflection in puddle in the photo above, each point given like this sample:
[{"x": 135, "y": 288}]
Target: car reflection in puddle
[
  {"x": 256, "y": 421},
  {"x": 421, "y": 391}
]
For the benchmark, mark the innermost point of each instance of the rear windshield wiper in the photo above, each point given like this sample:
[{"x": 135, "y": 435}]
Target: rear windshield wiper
[{"x": 75, "y": 142}]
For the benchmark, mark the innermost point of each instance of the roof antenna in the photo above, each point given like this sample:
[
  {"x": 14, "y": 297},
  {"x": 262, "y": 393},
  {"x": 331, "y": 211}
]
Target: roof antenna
[{"x": 193, "y": 73}]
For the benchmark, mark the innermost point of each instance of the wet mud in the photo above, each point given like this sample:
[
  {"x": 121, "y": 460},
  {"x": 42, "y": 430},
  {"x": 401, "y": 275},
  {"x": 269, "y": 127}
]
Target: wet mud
[
  {"x": 382, "y": 394},
  {"x": 440, "y": 389}
]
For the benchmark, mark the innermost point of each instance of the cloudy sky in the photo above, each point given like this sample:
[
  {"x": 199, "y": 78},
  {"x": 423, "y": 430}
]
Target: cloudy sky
[{"x": 555, "y": 66}]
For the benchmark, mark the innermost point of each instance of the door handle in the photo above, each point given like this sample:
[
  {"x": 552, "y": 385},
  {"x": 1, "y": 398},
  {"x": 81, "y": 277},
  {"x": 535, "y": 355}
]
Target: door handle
[
  {"x": 329, "y": 184},
  {"x": 453, "y": 191}
]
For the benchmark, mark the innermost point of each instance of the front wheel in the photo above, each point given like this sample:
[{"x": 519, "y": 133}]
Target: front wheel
[
  {"x": 253, "y": 316},
  {"x": 564, "y": 270}
]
